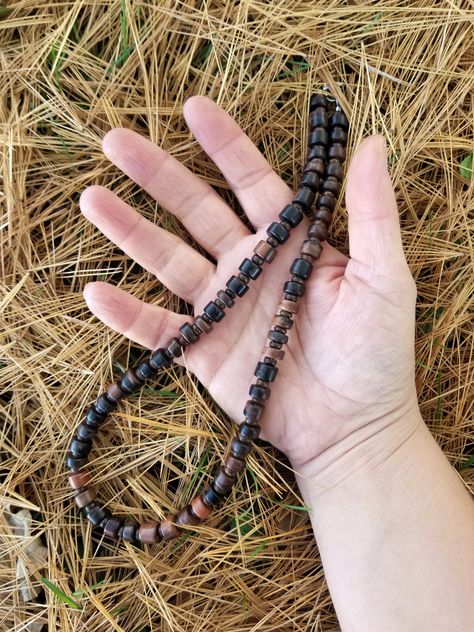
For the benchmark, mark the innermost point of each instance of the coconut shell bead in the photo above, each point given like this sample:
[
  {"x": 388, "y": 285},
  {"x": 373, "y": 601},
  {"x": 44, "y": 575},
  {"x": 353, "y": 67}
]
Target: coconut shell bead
[
  {"x": 75, "y": 464},
  {"x": 188, "y": 333},
  {"x": 326, "y": 201},
  {"x": 168, "y": 530},
  {"x": 239, "y": 448},
  {"x": 203, "y": 325},
  {"x": 339, "y": 119},
  {"x": 337, "y": 151},
  {"x": 222, "y": 482},
  {"x": 324, "y": 215},
  {"x": 174, "y": 348},
  {"x": 316, "y": 101},
  {"x": 233, "y": 465},
  {"x": 144, "y": 371},
  {"x": 315, "y": 164},
  {"x": 272, "y": 353},
  {"x": 104, "y": 405},
  {"x": 265, "y": 250},
  {"x": 289, "y": 306},
  {"x": 318, "y": 230},
  {"x": 187, "y": 517},
  {"x": 248, "y": 432},
  {"x": 85, "y": 432},
  {"x": 160, "y": 359},
  {"x": 79, "y": 479},
  {"x": 93, "y": 417},
  {"x": 129, "y": 381},
  {"x": 305, "y": 196},
  {"x": 312, "y": 248},
  {"x": 84, "y": 498},
  {"x": 319, "y": 117},
  {"x": 112, "y": 527},
  {"x": 80, "y": 448},
  {"x": 311, "y": 180},
  {"x": 148, "y": 532},
  {"x": 200, "y": 509},
  {"x": 237, "y": 286}
]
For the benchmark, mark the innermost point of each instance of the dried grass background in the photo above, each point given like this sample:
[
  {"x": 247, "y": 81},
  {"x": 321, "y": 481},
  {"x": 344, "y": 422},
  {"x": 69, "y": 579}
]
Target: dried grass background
[{"x": 70, "y": 71}]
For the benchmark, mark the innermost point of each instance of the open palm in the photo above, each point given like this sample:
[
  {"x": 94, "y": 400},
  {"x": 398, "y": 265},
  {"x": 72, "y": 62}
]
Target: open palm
[{"x": 350, "y": 358}]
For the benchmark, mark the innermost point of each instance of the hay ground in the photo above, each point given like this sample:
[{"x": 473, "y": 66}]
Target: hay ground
[{"x": 72, "y": 69}]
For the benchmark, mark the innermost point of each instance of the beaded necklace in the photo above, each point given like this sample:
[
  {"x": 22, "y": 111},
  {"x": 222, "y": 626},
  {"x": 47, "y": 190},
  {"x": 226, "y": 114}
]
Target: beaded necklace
[{"x": 320, "y": 183}]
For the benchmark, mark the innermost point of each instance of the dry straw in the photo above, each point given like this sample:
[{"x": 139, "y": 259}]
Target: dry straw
[{"x": 70, "y": 71}]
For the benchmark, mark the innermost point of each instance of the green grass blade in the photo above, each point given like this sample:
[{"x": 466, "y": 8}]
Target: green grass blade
[{"x": 59, "y": 594}]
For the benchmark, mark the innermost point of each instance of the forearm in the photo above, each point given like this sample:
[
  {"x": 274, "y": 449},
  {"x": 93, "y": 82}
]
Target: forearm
[{"x": 395, "y": 529}]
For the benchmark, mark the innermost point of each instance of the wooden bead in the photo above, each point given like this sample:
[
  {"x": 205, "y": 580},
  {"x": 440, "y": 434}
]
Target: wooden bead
[
  {"x": 317, "y": 101},
  {"x": 204, "y": 326},
  {"x": 222, "y": 482},
  {"x": 264, "y": 250},
  {"x": 188, "y": 333},
  {"x": 326, "y": 201},
  {"x": 96, "y": 514},
  {"x": 265, "y": 372},
  {"x": 237, "y": 285},
  {"x": 79, "y": 479},
  {"x": 85, "y": 497},
  {"x": 282, "y": 321},
  {"x": 85, "y": 432},
  {"x": 213, "y": 312},
  {"x": 187, "y": 517},
  {"x": 200, "y": 509},
  {"x": 334, "y": 169},
  {"x": 250, "y": 268},
  {"x": 239, "y": 448},
  {"x": 211, "y": 497},
  {"x": 148, "y": 532},
  {"x": 324, "y": 215},
  {"x": 311, "y": 247},
  {"x": 115, "y": 393},
  {"x": 75, "y": 464},
  {"x": 160, "y": 359},
  {"x": 318, "y": 229},
  {"x": 174, "y": 348},
  {"x": 332, "y": 185},
  {"x": 129, "y": 381},
  {"x": 319, "y": 117},
  {"x": 112, "y": 526},
  {"x": 337, "y": 151},
  {"x": 275, "y": 354},
  {"x": 316, "y": 164},
  {"x": 168, "y": 530},
  {"x": 233, "y": 465},
  {"x": 80, "y": 448},
  {"x": 225, "y": 298},
  {"x": 289, "y": 306},
  {"x": 260, "y": 392},
  {"x": 253, "y": 411},
  {"x": 104, "y": 405},
  {"x": 145, "y": 371}
]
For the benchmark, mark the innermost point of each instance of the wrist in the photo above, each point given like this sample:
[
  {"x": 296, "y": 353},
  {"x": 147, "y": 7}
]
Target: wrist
[{"x": 365, "y": 449}]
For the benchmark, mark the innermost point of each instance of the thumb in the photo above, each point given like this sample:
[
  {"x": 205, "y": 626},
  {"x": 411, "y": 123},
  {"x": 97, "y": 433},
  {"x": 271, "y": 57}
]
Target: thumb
[{"x": 374, "y": 228}]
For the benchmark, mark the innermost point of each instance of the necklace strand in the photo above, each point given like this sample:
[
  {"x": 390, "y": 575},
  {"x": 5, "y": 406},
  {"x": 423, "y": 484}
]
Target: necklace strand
[{"x": 321, "y": 183}]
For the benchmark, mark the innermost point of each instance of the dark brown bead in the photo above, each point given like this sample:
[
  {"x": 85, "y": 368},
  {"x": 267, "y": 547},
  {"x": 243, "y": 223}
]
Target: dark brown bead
[
  {"x": 80, "y": 448},
  {"x": 188, "y": 334},
  {"x": 104, "y": 405},
  {"x": 160, "y": 359},
  {"x": 79, "y": 479},
  {"x": 222, "y": 482},
  {"x": 115, "y": 392},
  {"x": 225, "y": 298},
  {"x": 289, "y": 306},
  {"x": 305, "y": 197},
  {"x": 186, "y": 517},
  {"x": 168, "y": 530},
  {"x": 85, "y": 432},
  {"x": 317, "y": 101},
  {"x": 233, "y": 465},
  {"x": 334, "y": 169},
  {"x": 203, "y": 325},
  {"x": 311, "y": 247},
  {"x": 272, "y": 241},
  {"x": 332, "y": 185},
  {"x": 174, "y": 348},
  {"x": 130, "y": 531},
  {"x": 271, "y": 352},
  {"x": 316, "y": 164},
  {"x": 112, "y": 527},
  {"x": 274, "y": 345},
  {"x": 75, "y": 464},
  {"x": 253, "y": 411},
  {"x": 145, "y": 371},
  {"x": 324, "y": 215},
  {"x": 319, "y": 117},
  {"x": 282, "y": 321},
  {"x": 259, "y": 392},
  {"x": 339, "y": 119},
  {"x": 240, "y": 448},
  {"x": 200, "y": 509},
  {"x": 183, "y": 341},
  {"x": 84, "y": 498},
  {"x": 326, "y": 201},
  {"x": 244, "y": 277},
  {"x": 148, "y": 533},
  {"x": 264, "y": 250},
  {"x": 337, "y": 151},
  {"x": 318, "y": 229}
]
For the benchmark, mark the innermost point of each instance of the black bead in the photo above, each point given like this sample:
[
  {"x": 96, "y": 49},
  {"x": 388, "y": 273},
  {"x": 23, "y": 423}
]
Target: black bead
[
  {"x": 305, "y": 197},
  {"x": 214, "y": 312},
  {"x": 301, "y": 268},
  {"x": 311, "y": 179},
  {"x": 319, "y": 117},
  {"x": 338, "y": 135},
  {"x": 332, "y": 185},
  {"x": 277, "y": 336},
  {"x": 237, "y": 285},
  {"x": 129, "y": 382},
  {"x": 316, "y": 101},
  {"x": 145, "y": 371},
  {"x": 188, "y": 333},
  {"x": 97, "y": 514},
  {"x": 75, "y": 463},
  {"x": 326, "y": 201},
  {"x": 239, "y": 448},
  {"x": 225, "y": 298},
  {"x": 339, "y": 118},
  {"x": 85, "y": 432},
  {"x": 250, "y": 268},
  {"x": 80, "y": 448},
  {"x": 103, "y": 405},
  {"x": 291, "y": 214},
  {"x": 319, "y": 136},
  {"x": 249, "y": 432},
  {"x": 160, "y": 359},
  {"x": 293, "y": 287},
  {"x": 253, "y": 411},
  {"x": 129, "y": 531},
  {"x": 337, "y": 151},
  {"x": 259, "y": 392},
  {"x": 278, "y": 232},
  {"x": 93, "y": 418},
  {"x": 315, "y": 164},
  {"x": 318, "y": 151},
  {"x": 266, "y": 372},
  {"x": 211, "y": 497},
  {"x": 174, "y": 348}
]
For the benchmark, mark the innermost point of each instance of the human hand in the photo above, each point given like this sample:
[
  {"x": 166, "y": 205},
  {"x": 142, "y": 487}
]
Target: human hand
[{"x": 350, "y": 360}]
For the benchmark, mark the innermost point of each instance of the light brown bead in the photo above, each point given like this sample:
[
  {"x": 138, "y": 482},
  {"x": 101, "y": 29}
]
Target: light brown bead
[
  {"x": 312, "y": 248},
  {"x": 265, "y": 250},
  {"x": 168, "y": 530},
  {"x": 85, "y": 497},
  {"x": 79, "y": 479},
  {"x": 289, "y": 306},
  {"x": 187, "y": 517},
  {"x": 148, "y": 532},
  {"x": 270, "y": 352},
  {"x": 282, "y": 321},
  {"x": 233, "y": 465},
  {"x": 200, "y": 509}
]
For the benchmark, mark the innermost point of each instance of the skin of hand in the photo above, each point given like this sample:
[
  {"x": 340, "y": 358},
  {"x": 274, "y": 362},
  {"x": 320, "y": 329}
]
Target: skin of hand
[{"x": 348, "y": 371}]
